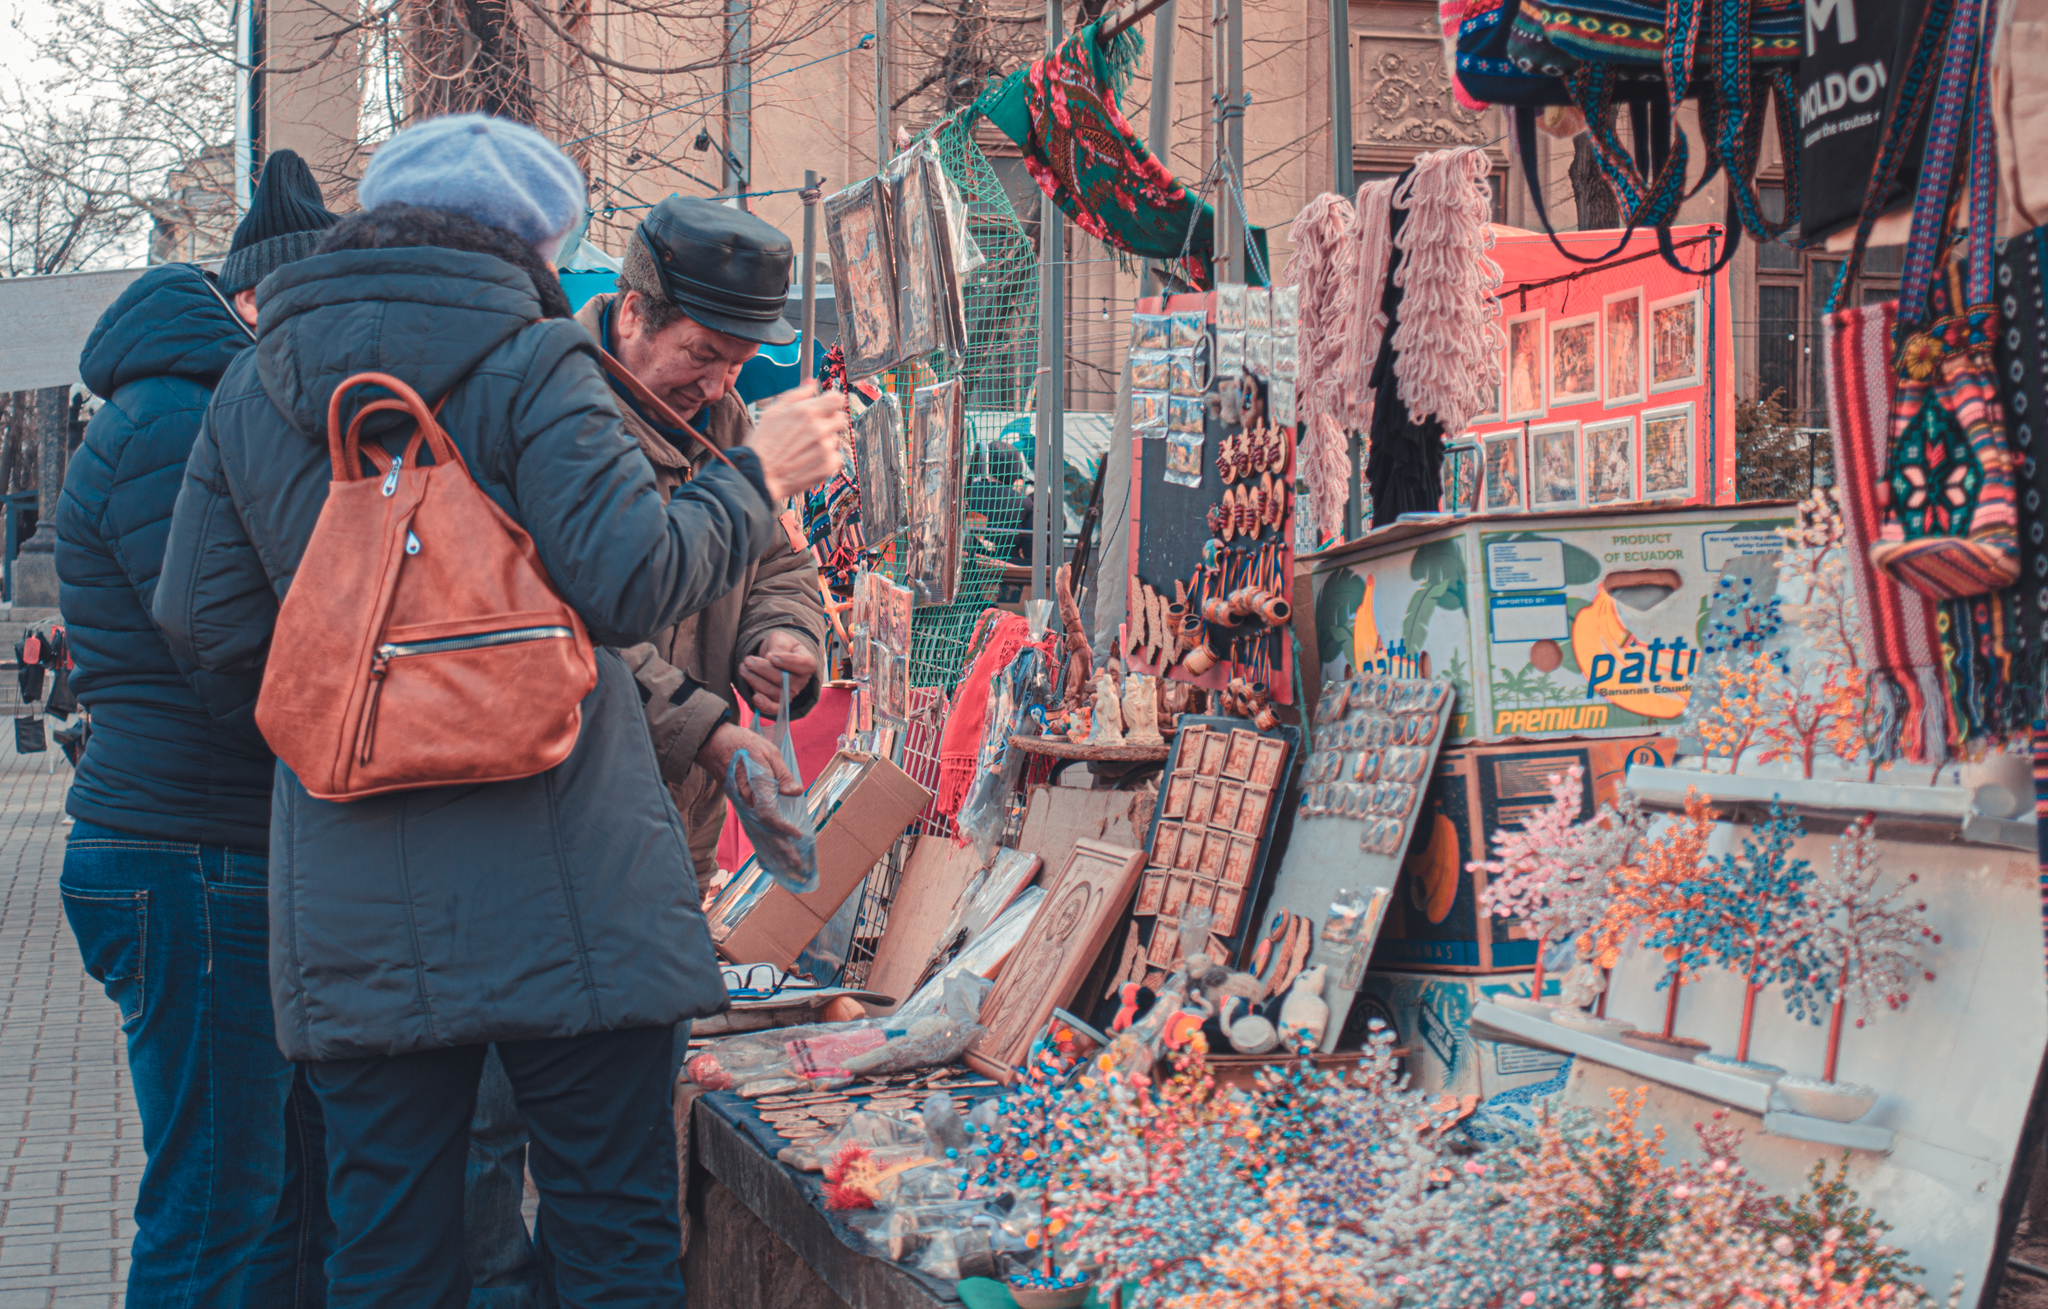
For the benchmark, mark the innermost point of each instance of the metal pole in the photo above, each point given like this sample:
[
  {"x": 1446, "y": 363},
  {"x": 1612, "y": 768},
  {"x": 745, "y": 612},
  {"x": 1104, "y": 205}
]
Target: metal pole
[
  {"x": 882, "y": 146},
  {"x": 808, "y": 364},
  {"x": 244, "y": 164},
  {"x": 1227, "y": 48},
  {"x": 1159, "y": 131},
  {"x": 1344, "y": 182},
  {"x": 1049, "y": 462},
  {"x": 739, "y": 99}
]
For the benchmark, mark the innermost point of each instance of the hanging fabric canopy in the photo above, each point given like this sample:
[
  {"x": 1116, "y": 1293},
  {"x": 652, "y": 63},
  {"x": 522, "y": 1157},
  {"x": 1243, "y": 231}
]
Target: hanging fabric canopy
[{"x": 1062, "y": 112}]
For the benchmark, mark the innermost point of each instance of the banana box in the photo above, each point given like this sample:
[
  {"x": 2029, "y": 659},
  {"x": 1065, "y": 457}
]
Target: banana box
[
  {"x": 1434, "y": 922},
  {"x": 1431, "y": 1015},
  {"x": 1548, "y": 625}
]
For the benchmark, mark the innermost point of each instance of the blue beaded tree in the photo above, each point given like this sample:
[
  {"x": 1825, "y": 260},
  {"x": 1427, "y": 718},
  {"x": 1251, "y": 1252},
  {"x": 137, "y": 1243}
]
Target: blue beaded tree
[{"x": 1748, "y": 914}]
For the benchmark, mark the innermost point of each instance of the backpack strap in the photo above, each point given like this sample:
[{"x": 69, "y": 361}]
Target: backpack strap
[{"x": 639, "y": 391}]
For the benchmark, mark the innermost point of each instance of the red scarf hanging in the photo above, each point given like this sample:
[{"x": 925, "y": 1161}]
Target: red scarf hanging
[{"x": 960, "y": 737}]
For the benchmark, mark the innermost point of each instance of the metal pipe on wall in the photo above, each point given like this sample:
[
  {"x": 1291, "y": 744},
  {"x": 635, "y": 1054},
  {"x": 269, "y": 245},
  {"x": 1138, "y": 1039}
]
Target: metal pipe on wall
[
  {"x": 1159, "y": 130},
  {"x": 1226, "y": 31},
  {"x": 806, "y": 348},
  {"x": 1049, "y": 458},
  {"x": 882, "y": 150},
  {"x": 1345, "y": 179}
]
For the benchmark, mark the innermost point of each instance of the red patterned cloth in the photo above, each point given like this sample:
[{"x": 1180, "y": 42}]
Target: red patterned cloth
[{"x": 1900, "y": 638}]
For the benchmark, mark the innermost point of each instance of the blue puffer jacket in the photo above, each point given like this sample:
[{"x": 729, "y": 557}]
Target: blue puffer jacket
[{"x": 175, "y": 754}]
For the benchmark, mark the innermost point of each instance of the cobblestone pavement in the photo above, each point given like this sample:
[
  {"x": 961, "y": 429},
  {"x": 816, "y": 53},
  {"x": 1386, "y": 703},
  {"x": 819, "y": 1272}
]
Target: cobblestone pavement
[{"x": 70, "y": 1143}]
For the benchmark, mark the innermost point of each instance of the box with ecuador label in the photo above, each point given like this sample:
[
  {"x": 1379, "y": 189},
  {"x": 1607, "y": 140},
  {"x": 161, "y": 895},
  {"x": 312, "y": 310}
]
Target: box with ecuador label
[{"x": 1549, "y": 626}]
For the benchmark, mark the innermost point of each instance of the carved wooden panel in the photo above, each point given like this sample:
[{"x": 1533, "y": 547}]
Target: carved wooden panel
[{"x": 1401, "y": 97}]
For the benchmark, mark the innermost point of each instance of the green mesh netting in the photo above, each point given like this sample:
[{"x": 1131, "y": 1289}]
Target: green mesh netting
[{"x": 1001, "y": 301}]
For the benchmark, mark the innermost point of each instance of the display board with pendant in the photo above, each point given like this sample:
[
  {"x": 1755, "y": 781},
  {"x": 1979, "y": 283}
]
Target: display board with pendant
[{"x": 1212, "y": 488}]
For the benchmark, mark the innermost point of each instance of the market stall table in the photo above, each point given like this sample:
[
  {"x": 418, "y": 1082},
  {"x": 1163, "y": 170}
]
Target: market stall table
[{"x": 760, "y": 1236}]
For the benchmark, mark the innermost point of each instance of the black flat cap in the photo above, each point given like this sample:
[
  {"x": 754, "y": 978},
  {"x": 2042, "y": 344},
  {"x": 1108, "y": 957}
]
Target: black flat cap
[{"x": 723, "y": 267}]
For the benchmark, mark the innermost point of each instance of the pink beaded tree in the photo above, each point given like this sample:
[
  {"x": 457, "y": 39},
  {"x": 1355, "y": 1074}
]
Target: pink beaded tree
[{"x": 1552, "y": 873}]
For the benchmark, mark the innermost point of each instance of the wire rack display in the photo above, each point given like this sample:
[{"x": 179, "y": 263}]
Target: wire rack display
[{"x": 997, "y": 370}]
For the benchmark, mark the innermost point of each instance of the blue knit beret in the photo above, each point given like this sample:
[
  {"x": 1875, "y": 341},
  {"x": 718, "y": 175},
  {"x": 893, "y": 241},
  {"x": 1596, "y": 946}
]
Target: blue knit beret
[{"x": 500, "y": 173}]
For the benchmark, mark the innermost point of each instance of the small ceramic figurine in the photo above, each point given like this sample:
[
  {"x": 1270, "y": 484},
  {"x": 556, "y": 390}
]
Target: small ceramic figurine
[
  {"x": 1305, "y": 1010},
  {"x": 1141, "y": 711},
  {"x": 1108, "y": 728},
  {"x": 1580, "y": 987},
  {"x": 1077, "y": 724}
]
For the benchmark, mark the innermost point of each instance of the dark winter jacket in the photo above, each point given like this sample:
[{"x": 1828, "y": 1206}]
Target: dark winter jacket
[
  {"x": 552, "y": 906},
  {"x": 175, "y": 755}
]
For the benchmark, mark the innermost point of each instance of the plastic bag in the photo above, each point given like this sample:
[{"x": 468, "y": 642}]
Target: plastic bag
[
  {"x": 926, "y": 1043},
  {"x": 787, "y": 850},
  {"x": 977, "y": 959},
  {"x": 1013, "y": 692}
]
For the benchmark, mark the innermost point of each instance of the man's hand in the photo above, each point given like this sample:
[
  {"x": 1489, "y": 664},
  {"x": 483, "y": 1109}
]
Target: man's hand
[
  {"x": 718, "y": 752},
  {"x": 780, "y": 651},
  {"x": 800, "y": 440}
]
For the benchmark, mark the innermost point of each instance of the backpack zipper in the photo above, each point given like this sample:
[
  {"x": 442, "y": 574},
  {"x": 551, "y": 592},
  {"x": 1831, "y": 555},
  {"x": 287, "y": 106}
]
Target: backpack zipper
[{"x": 389, "y": 650}]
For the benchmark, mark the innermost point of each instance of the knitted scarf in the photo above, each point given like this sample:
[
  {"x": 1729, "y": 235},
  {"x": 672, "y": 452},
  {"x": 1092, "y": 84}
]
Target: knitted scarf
[
  {"x": 960, "y": 738},
  {"x": 1901, "y": 640},
  {"x": 1062, "y": 111}
]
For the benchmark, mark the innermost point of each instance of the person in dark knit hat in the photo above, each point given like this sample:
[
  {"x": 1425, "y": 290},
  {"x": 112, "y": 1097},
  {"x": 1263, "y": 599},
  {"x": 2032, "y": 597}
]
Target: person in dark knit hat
[
  {"x": 286, "y": 219},
  {"x": 171, "y": 806}
]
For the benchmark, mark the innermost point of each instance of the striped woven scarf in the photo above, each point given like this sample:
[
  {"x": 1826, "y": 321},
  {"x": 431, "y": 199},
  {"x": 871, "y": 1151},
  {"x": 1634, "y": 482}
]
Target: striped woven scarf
[{"x": 1899, "y": 634}]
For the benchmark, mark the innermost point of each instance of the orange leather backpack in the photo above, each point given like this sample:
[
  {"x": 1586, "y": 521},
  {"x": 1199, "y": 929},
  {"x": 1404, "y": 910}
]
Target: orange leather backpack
[{"x": 421, "y": 643}]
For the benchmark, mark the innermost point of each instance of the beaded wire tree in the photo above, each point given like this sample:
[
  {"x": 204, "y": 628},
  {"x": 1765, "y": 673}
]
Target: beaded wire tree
[
  {"x": 1606, "y": 1193},
  {"x": 1554, "y": 873},
  {"x": 1865, "y": 945},
  {"x": 1712, "y": 1254},
  {"x": 1739, "y": 666},
  {"x": 1748, "y": 914},
  {"x": 1845, "y": 713},
  {"x": 1654, "y": 890}
]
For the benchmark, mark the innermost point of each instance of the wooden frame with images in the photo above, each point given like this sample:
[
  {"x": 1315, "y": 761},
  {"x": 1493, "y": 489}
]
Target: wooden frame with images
[
  {"x": 1623, "y": 359},
  {"x": 1528, "y": 353},
  {"x": 1675, "y": 336},
  {"x": 937, "y": 435},
  {"x": 1504, "y": 473},
  {"x": 1554, "y": 467},
  {"x": 1667, "y": 462},
  {"x": 860, "y": 237},
  {"x": 1574, "y": 359},
  {"x": 1083, "y": 902},
  {"x": 1608, "y": 460}
]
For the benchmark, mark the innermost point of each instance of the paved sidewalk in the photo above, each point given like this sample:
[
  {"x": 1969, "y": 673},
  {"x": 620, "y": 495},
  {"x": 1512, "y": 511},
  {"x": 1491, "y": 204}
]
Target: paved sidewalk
[{"x": 70, "y": 1143}]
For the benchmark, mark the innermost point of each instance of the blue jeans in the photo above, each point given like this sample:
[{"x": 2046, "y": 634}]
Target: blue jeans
[
  {"x": 603, "y": 1156},
  {"x": 232, "y": 1210}
]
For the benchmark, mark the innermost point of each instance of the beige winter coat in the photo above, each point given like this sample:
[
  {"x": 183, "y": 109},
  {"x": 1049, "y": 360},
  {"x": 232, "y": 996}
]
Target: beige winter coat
[{"x": 780, "y": 591}]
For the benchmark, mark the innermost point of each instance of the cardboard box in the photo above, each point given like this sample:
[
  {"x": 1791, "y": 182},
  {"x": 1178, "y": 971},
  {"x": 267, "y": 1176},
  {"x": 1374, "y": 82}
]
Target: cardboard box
[
  {"x": 1549, "y": 625},
  {"x": 862, "y": 816},
  {"x": 1430, "y": 1017},
  {"x": 1435, "y": 923}
]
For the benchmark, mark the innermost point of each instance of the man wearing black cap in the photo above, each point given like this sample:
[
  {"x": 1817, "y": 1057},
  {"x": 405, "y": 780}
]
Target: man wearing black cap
[
  {"x": 702, "y": 289},
  {"x": 166, "y": 869}
]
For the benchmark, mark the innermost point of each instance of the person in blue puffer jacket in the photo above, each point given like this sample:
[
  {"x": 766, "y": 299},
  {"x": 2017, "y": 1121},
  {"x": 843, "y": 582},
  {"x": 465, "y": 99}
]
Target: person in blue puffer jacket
[{"x": 165, "y": 873}]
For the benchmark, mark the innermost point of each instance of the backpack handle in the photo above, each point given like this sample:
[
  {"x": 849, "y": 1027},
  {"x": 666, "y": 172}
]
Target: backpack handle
[{"x": 346, "y": 448}]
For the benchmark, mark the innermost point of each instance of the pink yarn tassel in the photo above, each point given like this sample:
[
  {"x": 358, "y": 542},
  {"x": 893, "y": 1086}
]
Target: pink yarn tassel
[
  {"x": 1323, "y": 266},
  {"x": 1362, "y": 333},
  {"x": 1448, "y": 343}
]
